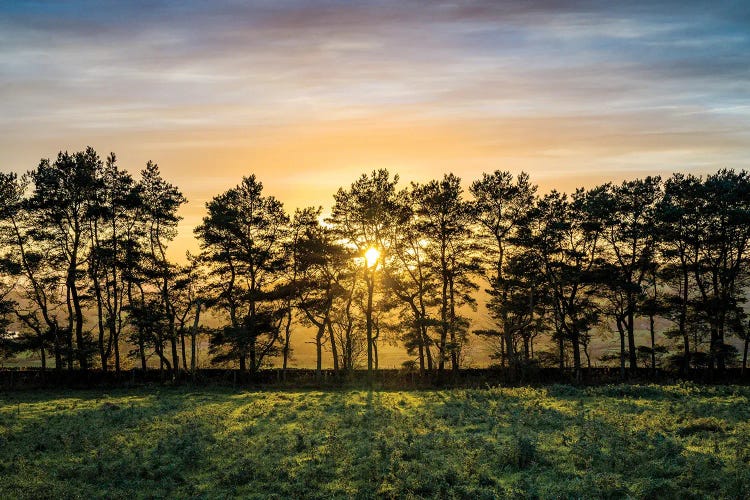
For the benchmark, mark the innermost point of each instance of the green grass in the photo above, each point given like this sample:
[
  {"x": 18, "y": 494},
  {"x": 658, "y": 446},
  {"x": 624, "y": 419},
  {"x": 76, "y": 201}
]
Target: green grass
[{"x": 608, "y": 442}]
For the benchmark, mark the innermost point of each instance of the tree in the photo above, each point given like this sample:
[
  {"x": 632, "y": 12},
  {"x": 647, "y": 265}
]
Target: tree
[
  {"x": 745, "y": 335},
  {"x": 443, "y": 219},
  {"x": 242, "y": 241},
  {"x": 500, "y": 208},
  {"x": 653, "y": 305},
  {"x": 344, "y": 323},
  {"x": 566, "y": 235},
  {"x": 523, "y": 309},
  {"x": 25, "y": 265},
  {"x": 678, "y": 225},
  {"x": 629, "y": 216},
  {"x": 187, "y": 301},
  {"x": 63, "y": 198},
  {"x": 361, "y": 218},
  {"x": 412, "y": 279},
  {"x": 11, "y": 196},
  {"x": 161, "y": 201},
  {"x": 321, "y": 266},
  {"x": 114, "y": 211},
  {"x": 720, "y": 262}
]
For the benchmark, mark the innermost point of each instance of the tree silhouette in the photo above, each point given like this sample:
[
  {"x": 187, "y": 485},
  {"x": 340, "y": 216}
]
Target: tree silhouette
[
  {"x": 500, "y": 208},
  {"x": 443, "y": 218},
  {"x": 321, "y": 265},
  {"x": 242, "y": 239},
  {"x": 361, "y": 217},
  {"x": 412, "y": 279},
  {"x": 85, "y": 249},
  {"x": 64, "y": 196},
  {"x": 630, "y": 214},
  {"x": 113, "y": 213},
  {"x": 719, "y": 260},
  {"x": 161, "y": 201},
  {"x": 31, "y": 261},
  {"x": 566, "y": 236},
  {"x": 678, "y": 227}
]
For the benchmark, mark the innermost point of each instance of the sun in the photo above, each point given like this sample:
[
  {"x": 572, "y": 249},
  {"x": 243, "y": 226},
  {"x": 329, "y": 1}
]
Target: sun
[{"x": 371, "y": 256}]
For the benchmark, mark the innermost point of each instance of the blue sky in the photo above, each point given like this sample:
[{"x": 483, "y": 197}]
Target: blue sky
[{"x": 310, "y": 94}]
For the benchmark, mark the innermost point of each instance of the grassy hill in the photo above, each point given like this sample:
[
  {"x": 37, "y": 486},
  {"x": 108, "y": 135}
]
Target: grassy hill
[{"x": 602, "y": 442}]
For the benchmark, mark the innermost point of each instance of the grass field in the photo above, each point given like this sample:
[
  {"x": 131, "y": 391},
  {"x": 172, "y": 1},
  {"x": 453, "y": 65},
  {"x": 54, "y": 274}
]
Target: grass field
[{"x": 607, "y": 442}]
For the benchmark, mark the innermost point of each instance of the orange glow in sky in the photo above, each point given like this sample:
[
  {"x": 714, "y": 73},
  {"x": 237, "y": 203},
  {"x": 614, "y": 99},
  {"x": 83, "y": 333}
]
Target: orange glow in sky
[{"x": 309, "y": 95}]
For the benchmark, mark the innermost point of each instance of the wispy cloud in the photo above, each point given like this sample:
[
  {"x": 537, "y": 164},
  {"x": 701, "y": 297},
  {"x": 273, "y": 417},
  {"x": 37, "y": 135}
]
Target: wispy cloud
[{"x": 290, "y": 87}]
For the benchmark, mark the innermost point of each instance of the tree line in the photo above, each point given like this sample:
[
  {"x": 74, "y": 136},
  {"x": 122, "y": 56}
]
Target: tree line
[{"x": 86, "y": 272}]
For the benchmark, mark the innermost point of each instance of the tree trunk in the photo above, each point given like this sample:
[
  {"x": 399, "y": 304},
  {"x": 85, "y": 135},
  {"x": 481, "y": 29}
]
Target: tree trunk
[
  {"x": 42, "y": 356},
  {"x": 712, "y": 349},
  {"x": 175, "y": 356},
  {"x": 683, "y": 324},
  {"x": 287, "y": 337},
  {"x": 744, "y": 353},
  {"x": 443, "y": 314},
  {"x": 183, "y": 348},
  {"x": 319, "y": 351},
  {"x": 455, "y": 350},
  {"x": 117, "y": 353},
  {"x": 424, "y": 341},
  {"x": 526, "y": 353},
  {"x": 334, "y": 347},
  {"x": 621, "y": 331},
  {"x": 531, "y": 346},
  {"x": 100, "y": 316},
  {"x": 721, "y": 351},
  {"x": 503, "y": 351},
  {"x": 58, "y": 350},
  {"x": 70, "y": 350},
  {"x": 163, "y": 361},
  {"x": 427, "y": 351},
  {"x": 370, "y": 291},
  {"x": 69, "y": 330},
  {"x": 141, "y": 346},
  {"x": 82, "y": 361},
  {"x": 576, "y": 356},
  {"x": 193, "y": 335},
  {"x": 420, "y": 347},
  {"x": 253, "y": 355},
  {"x": 142, "y": 352},
  {"x": 509, "y": 349},
  {"x": 588, "y": 357},
  {"x": 653, "y": 345},
  {"x": 631, "y": 341}
]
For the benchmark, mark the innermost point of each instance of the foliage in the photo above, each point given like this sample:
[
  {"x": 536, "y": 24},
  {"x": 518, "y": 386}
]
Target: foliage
[
  {"x": 443, "y": 219},
  {"x": 242, "y": 242},
  {"x": 362, "y": 217},
  {"x": 84, "y": 271}
]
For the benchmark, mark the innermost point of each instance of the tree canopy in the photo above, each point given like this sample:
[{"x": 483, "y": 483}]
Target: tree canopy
[{"x": 537, "y": 279}]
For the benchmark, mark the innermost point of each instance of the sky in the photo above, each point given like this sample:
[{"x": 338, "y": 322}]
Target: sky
[{"x": 308, "y": 95}]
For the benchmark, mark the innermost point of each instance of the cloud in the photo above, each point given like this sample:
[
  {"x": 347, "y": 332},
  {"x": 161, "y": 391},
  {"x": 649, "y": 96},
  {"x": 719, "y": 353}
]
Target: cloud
[{"x": 284, "y": 88}]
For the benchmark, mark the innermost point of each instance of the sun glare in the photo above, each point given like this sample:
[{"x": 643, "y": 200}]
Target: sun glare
[{"x": 371, "y": 256}]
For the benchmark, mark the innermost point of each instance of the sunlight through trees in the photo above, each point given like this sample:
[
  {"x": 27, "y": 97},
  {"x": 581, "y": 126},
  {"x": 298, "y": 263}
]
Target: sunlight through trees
[{"x": 538, "y": 278}]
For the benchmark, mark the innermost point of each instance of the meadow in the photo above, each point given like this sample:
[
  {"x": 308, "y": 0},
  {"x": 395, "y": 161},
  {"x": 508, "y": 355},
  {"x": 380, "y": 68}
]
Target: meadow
[{"x": 619, "y": 441}]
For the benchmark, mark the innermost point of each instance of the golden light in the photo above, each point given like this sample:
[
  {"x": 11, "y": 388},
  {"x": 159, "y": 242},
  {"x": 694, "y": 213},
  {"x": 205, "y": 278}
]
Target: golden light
[{"x": 371, "y": 256}]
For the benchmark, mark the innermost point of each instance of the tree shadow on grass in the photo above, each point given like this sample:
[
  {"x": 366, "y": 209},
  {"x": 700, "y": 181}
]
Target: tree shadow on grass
[
  {"x": 96, "y": 445},
  {"x": 456, "y": 443}
]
